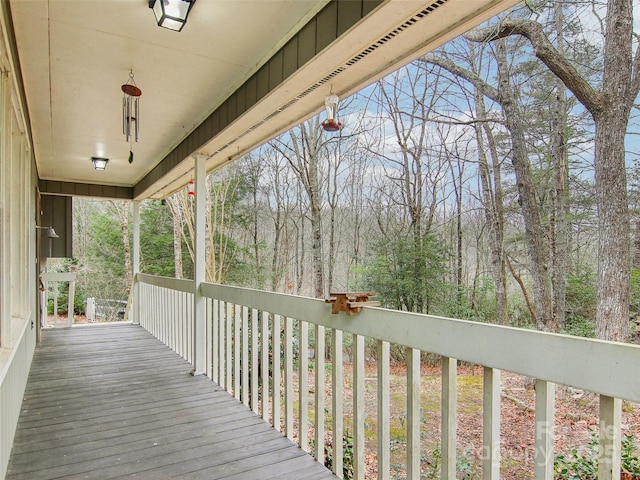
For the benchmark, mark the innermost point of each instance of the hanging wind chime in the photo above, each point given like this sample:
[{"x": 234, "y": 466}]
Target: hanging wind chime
[{"x": 131, "y": 112}]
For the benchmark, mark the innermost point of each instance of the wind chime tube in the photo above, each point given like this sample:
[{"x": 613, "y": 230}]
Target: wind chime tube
[
  {"x": 128, "y": 118},
  {"x": 137, "y": 119},
  {"x": 124, "y": 115}
]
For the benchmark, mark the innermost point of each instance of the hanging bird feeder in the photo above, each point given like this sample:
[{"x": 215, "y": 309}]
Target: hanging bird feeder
[
  {"x": 331, "y": 124},
  {"x": 131, "y": 112},
  {"x": 191, "y": 188}
]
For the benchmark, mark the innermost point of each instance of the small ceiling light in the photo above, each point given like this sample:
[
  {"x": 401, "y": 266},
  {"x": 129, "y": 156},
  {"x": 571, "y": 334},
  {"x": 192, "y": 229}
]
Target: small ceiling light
[
  {"x": 331, "y": 124},
  {"x": 99, "y": 163},
  {"x": 171, "y": 14}
]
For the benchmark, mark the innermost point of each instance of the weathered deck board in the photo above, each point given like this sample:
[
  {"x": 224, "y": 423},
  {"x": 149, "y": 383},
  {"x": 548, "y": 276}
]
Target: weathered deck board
[{"x": 111, "y": 401}]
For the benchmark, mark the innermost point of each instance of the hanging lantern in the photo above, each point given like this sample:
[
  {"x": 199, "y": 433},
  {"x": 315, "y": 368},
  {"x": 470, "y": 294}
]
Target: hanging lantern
[
  {"x": 331, "y": 124},
  {"x": 191, "y": 188},
  {"x": 131, "y": 112},
  {"x": 171, "y": 14}
]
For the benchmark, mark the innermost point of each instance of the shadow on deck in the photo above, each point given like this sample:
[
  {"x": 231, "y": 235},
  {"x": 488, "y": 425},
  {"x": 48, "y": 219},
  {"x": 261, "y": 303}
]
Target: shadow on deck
[{"x": 111, "y": 401}]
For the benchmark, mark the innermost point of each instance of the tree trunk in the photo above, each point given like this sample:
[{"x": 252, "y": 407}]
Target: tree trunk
[
  {"x": 123, "y": 216},
  {"x": 614, "y": 252},
  {"x": 493, "y": 208},
  {"x": 560, "y": 232},
  {"x": 610, "y": 109},
  {"x": 536, "y": 243}
]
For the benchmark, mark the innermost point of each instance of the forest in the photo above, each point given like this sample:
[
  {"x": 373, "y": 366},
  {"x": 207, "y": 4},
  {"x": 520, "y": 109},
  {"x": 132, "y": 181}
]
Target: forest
[{"x": 495, "y": 179}]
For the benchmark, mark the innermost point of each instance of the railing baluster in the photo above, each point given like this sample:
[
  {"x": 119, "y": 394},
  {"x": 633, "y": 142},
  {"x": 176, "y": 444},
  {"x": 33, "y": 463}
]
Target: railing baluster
[
  {"x": 303, "y": 386},
  {"x": 178, "y": 323},
  {"x": 254, "y": 360},
  {"x": 413, "y": 413},
  {"x": 545, "y": 413},
  {"x": 448, "y": 413},
  {"x": 383, "y": 411},
  {"x": 358, "y": 407},
  {"x": 491, "y": 424},
  {"x": 337, "y": 396},
  {"x": 215, "y": 341},
  {"x": 221, "y": 343},
  {"x": 209, "y": 342},
  {"x": 265, "y": 365},
  {"x": 229, "y": 359},
  {"x": 319, "y": 393},
  {"x": 288, "y": 377},
  {"x": 610, "y": 438},
  {"x": 245, "y": 356},
  {"x": 237, "y": 350},
  {"x": 275, "y": 339}
]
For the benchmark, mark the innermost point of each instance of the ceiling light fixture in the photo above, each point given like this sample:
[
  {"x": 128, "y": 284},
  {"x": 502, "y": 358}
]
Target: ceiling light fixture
[
  {"x": 99, "y": 163},
  {"x": 171, "y": 14}
]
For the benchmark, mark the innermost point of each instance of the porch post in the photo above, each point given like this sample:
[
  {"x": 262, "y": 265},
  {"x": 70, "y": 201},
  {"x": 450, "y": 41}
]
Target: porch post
[
  {"x": 134, "y": 311},
  {"x": 199, "y": 320}
]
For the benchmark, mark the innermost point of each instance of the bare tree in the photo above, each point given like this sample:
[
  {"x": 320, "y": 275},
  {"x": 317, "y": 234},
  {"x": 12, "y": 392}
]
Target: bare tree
[
  {"x": 303, "y": 147},
  {"x": 505, "y": 96},
  {"x": 610, "y": 105}
]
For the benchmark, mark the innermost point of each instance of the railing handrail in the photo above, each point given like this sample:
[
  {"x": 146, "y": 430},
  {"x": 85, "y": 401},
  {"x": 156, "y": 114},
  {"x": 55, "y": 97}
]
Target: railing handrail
[
  {"x": 557, "y": 358},
  {"x": 179, "y": 284}
]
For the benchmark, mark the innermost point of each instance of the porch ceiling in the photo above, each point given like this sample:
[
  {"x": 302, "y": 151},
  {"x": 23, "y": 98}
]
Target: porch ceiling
[{"x": 76, "y": 54}]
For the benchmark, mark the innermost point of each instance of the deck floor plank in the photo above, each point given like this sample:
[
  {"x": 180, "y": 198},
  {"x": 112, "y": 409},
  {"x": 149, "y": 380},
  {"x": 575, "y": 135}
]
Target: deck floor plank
[{"x": 111, "y": 401}]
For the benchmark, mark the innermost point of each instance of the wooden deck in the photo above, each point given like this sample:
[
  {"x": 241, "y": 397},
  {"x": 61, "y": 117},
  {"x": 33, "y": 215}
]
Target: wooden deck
[{"x": 111, "y": 401}]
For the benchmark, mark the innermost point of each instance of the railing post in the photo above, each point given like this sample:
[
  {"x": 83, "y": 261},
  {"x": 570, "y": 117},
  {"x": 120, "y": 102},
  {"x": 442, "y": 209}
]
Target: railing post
[
  {"x": 610, "y": 438},
  {"x": 134, "y": 309},
  {"x": 199, "y": 308}
]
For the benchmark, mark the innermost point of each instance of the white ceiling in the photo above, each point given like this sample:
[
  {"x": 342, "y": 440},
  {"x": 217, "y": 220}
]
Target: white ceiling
[{"x": 76, "y": 54}]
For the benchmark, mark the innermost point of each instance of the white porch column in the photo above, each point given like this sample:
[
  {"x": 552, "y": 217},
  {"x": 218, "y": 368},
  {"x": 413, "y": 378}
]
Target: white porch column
[
  {"x": 134, "y": 311},
  {"x": 199, "y": 314}
]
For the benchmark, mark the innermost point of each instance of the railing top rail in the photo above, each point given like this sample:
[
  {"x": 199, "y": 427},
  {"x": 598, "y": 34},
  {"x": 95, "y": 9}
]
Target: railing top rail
[
  {"x": 607, "y": 368},
  {"x": 180, "y": 284}
]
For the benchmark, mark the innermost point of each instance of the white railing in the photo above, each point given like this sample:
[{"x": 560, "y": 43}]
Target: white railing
[
  {"x": 166, "y": 310},
  {"x": 258, "y": 346},
  {"x": 14, "y": 371}
]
